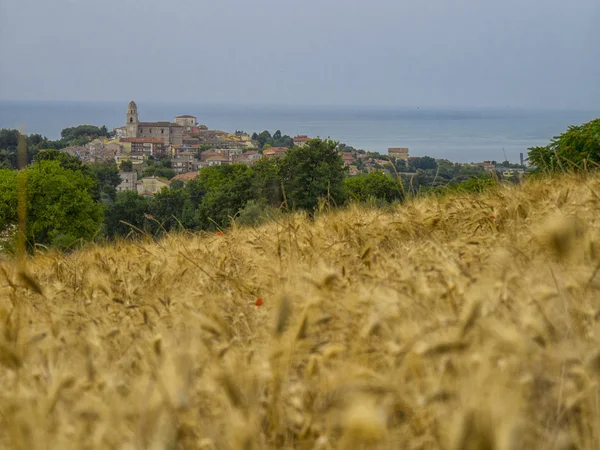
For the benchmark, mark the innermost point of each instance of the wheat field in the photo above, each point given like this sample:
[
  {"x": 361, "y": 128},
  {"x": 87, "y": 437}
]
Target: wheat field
[{"x": 461, "y": 322}]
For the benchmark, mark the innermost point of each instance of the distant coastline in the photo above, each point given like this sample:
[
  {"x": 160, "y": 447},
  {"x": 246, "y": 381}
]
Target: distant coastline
[{"x": 459, "y": 134}]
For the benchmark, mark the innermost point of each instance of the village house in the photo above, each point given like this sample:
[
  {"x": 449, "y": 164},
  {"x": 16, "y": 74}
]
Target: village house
[
  {"x": 138, "y": 160},
  {"x": 252, "y": 155},
  {"x": 185, "y": 177},
  {"x": 128, "y": 181},
  {"x": 217, "y": 161},
  {"x": 114, "y": 146},
  {"x": 275, "y": 151},
  {"x": 230, "y": 154},
  {"x": 185, "y": 162},
  {"x": 348, "y": 159},
  {"x": 90, "y": 154},
  {"x": 301, "y": 140},
  {"x": 151, "y": 185},
  {"x": 398, "y": 153},
  {"x": 174, "y": 150},
  {"x": 487, "y": 165},
  {"x": 248, "y": 158},
  {"x": 149, "y": 146}
]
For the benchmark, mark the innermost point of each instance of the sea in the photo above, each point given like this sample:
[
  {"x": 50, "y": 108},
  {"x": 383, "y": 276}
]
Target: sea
[{"x": 457, "y": 134}]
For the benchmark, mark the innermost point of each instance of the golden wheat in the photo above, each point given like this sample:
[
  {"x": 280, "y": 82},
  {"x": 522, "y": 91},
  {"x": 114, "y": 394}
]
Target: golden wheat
[{"x": 466, "y": 322}]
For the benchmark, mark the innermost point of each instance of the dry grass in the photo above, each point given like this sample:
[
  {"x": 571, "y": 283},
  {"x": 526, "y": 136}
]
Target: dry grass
[{"x": 461, "y": 323}]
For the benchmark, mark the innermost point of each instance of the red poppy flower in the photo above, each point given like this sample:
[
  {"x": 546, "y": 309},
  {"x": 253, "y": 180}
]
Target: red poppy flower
[
  {"x": 259, "y": 301},
  {"x": 492, "y": 217},
  {"x": 219, "y": 233}
]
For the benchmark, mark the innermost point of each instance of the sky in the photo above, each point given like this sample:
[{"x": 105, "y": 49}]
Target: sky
[{"x": 436, "y": 53}]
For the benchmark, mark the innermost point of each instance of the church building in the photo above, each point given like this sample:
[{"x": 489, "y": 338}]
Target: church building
[{"x": 168, "y": 132}]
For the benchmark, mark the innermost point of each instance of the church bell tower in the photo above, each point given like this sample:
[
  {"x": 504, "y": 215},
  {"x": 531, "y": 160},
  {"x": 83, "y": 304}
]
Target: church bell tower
[{"x": 132, "y": 120}]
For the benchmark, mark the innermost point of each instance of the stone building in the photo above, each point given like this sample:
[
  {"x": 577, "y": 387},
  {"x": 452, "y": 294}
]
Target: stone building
[
  {"x": 186, "y": 121},
  {"x": 128, "y": 181},
  {"x": 151, "y": 185},
  {"x": 185, "y": 162},
  {"x": 168, "y": 132},
  {"x": 400, "y": 153}
]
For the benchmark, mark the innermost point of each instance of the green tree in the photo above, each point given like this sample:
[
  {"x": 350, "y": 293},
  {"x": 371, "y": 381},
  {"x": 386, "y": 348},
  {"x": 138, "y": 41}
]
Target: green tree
[
  {"x": 158, "y": 171},
  {"x": 126, "y": 166},
  {"x": 219, "y": 193},
  {"x": 177, "y": 184},
  {"x": 128, "y": 209},
  {"x": 422, "y": 162},
  {"x": 60, "y": 209},
  {"x": 263, "y": 138},
  {"x": 66, "y": 160},
  {"x": 8, "y": 199},
  {"x": 575, "y": 149},
  {"x": 313, "y": 171},
  {"x": 266, "y": 183},
  {"x": 375, "y": 185},
  {"x": 166, "y": 208},
  {"x": 88, "y": 132},
  {"x": 107, "y": 179}
]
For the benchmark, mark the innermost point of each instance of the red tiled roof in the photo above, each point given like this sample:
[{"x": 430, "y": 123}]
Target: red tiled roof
[
  {"x": 186, "y": 176},
  {"x": 302, "y": 138}
]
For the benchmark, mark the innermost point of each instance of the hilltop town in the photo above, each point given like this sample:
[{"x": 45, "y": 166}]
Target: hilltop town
[{"x": 188, "y": 147}]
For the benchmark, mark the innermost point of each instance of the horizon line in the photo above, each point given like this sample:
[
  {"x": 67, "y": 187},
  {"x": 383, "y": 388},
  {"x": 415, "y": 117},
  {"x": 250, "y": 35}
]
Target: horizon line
[{"x": 310, "y": 105}]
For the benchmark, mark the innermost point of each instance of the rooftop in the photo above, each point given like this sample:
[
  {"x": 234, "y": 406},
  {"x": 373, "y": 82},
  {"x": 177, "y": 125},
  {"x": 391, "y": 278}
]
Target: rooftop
[
  {"x": 186, "y": 176},
  {"x": 158, "y": 124},
  {"x": 217, "y": 158},
  {"x": 185, "y": 116},
  {"x": 142, "y": 140}
]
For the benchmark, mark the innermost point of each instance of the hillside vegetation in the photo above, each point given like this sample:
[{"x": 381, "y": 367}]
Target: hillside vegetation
[{"x": 463, "y": 322}]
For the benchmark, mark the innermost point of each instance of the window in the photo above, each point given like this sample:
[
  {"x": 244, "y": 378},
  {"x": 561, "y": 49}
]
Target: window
[{"x": 162, "y": 131}]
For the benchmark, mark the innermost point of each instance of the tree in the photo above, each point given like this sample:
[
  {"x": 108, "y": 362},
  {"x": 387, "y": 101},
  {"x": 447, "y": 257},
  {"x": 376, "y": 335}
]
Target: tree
[
  {"x": 66, "y": 160},
  {"x": 219, "y": 193},
  {"x": 157, "y": 171},
  {"x": 423, "y": 163},
  {"x": 263, "y": 138},
  {"x": 129, "y": 207},
  {"x": 60, "y": 209},
  {"x": 375, "y": 185},
  {"x": 8, "y": 199},
  {"x": 266, "y": 183},
  {"x": 313, "y": 171},
  {"x": 126, "y": 166},
  {"x": 166, "y": 208},
  {"x": 88, "y": 132},
  {"x": 107, "y": 178},
  {"x": 9, "y": 145},
  {"x": 177, "y": 184},
  {"x": 575, "y": 149}
]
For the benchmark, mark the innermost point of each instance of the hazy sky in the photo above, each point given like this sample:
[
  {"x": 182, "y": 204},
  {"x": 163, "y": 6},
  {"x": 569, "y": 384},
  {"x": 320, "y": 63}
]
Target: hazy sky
[{"x": 528, "y": 53}]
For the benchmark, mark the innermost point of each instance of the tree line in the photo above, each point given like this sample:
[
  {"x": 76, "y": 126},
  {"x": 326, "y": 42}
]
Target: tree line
[{"x": 72, "y": 136}]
